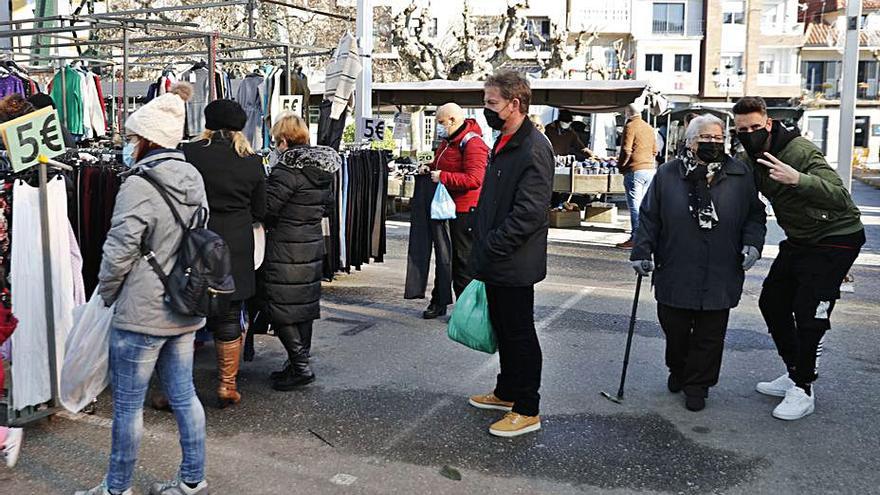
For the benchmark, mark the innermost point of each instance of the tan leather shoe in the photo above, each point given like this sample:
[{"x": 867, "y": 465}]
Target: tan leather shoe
[
  {"x": 489, "y": 401},
  {"x": 514, "y": 425}
]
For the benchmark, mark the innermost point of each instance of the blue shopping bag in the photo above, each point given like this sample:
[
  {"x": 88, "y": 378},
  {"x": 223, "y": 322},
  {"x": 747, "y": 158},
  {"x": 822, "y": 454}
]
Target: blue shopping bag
[
  {"x": 469, "y": 323},
  {"x": 442, "y": 206}
]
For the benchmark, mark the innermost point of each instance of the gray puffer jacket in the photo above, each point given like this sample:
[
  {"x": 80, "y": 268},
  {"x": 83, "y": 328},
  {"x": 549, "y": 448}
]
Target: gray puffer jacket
[{"x": 141, "y": 215}]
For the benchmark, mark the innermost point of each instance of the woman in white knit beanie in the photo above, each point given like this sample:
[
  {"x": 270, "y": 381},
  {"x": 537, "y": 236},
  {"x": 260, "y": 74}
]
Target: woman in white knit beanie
[{"x": 146, "y": 335}]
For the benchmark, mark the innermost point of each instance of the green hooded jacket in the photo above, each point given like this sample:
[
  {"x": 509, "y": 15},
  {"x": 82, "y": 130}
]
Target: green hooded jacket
[{"x": 819, "y": 206}]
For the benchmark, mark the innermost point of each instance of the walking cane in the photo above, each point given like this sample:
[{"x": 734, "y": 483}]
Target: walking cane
[{"x": 629, "y": 338}]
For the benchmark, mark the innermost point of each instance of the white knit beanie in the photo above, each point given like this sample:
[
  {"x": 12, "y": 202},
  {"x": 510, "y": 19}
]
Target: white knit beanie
[{"x": 162, "y": 120}]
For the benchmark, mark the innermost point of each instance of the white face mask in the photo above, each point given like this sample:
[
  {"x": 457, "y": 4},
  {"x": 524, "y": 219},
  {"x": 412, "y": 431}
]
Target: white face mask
[{"x": 565, "y": 125}]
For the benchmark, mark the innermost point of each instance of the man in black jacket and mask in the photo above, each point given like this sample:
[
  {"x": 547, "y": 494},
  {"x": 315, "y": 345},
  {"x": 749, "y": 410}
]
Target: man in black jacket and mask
[{"x": 510, "y": 249}]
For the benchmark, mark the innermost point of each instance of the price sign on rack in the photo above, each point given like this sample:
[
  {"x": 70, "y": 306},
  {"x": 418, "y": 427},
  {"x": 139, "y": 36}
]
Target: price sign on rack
[
  {"x": 29, "y": 136},
  {"x": 372, "y": 129},
  {"x": 292, "y": 103}
]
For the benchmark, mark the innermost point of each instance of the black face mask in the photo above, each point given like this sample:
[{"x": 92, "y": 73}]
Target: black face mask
[
  {"x": 710, "y": 152},
  {"x": 754, "y": 142},
  {"x": 493, "y": 119}
]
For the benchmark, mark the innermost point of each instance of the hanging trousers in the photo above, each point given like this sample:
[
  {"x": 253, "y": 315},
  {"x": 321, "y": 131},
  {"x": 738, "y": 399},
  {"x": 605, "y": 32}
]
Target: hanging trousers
[
  {"x": 512, "y": 313},
  {"x": 799, "y": 295},
  {"x": 426, "y": 235},
  {"x": 462, "y": 242},
  {"x": 694, "y": 346}
]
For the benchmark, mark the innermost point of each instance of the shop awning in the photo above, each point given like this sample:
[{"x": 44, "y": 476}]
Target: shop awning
[{"x": 577, "y": 96}]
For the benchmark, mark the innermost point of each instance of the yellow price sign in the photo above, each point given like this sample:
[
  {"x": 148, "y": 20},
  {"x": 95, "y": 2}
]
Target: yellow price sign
[{"x": 29, "y": 136}]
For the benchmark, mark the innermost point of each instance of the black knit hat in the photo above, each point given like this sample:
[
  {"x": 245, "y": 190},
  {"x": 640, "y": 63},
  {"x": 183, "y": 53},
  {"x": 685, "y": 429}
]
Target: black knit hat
[{"x": 224, "y": 115}]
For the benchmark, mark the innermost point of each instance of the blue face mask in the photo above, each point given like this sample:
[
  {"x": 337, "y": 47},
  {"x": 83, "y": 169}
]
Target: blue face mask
[
  {"x": 128, "y": 154},
  {"x": 442, "y": 133}
]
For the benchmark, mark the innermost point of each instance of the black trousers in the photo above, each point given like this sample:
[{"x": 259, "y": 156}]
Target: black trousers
[
  {"x": 694, "y": 346},
  {"x": 462, "y": 242},
  {"x": 227, "y": 326},
  {"x": 799, "y": 295},
  {"x": 512, "y": 312},
  {"x": 425, "y": 236}
]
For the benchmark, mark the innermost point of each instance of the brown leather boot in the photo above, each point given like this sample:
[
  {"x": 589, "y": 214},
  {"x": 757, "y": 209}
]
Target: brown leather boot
[{"x": 228, "y": 357}]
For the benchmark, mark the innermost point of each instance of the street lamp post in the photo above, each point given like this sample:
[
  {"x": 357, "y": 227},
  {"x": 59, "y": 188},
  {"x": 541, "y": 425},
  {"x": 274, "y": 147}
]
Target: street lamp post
[{"x": 727, "y": 79}]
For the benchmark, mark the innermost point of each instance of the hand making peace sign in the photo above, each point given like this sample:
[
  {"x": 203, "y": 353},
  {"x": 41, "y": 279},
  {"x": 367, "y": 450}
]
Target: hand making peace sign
[{"x": 780, "y": 171}]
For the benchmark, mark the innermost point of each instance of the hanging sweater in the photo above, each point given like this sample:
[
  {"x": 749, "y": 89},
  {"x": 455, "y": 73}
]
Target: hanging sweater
[{"x": 71, "y": 114}]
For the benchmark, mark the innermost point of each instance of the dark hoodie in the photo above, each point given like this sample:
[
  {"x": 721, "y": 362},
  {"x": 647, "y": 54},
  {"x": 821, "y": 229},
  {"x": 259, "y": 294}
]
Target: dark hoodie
[
  {"x": 298, "y": 194},
  {"x": 819, "y": 206}
]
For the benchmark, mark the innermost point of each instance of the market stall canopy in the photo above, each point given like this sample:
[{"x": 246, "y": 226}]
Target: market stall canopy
[{"x": 577, "y": 96}]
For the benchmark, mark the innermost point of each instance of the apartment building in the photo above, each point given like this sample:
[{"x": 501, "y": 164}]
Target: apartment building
[
  {"x": 667, "y": 41},
  {"x": 755, "y": 51},
  {"x": 821, "y": 72}
]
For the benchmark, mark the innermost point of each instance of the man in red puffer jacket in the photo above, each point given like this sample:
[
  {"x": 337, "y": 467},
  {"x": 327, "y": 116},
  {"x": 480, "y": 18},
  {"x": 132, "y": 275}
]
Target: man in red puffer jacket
[{"x": 459, "y": 164}]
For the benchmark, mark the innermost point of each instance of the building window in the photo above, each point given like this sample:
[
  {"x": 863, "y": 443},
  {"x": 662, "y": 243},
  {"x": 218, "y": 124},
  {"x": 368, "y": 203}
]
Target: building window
[
  {"x": 416, "y": 26},
  {"x": 734, "y": 18},
  {"x": 668, "y": 18},
  {"x": 682, "y": 63},
  {"x": 538, "y": 33},
  {"x": 817, "y": 129},
  {"x": 735, "y": 62},
  {"x": 486, "y": 26},
  {"x": 766, "y": 66},
  {"x": 653, "y": 62}
]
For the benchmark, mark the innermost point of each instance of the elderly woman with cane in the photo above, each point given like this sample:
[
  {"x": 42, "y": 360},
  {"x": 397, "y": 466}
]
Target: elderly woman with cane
[{"x": 702, "y": 226}]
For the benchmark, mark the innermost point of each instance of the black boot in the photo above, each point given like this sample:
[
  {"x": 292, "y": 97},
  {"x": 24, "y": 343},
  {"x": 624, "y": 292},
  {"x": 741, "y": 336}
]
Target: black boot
[
  {"x": 674, "y": 384},
  {"x": 434, "y": 311},
  {"x": 299, "y": 373}
]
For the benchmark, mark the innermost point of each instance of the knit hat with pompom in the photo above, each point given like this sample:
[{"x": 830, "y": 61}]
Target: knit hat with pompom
[{"x": 162, "y": 120}]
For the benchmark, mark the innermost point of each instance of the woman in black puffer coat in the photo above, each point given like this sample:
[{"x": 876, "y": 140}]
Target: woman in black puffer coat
[{"x": 299, "y": 196}]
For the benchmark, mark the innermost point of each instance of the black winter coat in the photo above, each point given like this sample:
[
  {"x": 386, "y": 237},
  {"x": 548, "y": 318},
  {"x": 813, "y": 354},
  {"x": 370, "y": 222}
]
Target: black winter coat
[
  {"x": 512, "y": 216},
  {"x": 236, "y": 190},
  {"x": 299, "y": 193},
  {"x": 699, "y": 269}
]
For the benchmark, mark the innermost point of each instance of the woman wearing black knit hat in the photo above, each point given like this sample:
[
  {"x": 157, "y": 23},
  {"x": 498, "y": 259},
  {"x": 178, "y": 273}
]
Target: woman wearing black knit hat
[{"x": 235, "y": 183}]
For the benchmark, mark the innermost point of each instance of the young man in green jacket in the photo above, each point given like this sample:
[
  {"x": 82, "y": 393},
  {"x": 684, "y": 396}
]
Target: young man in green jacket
[{"x": 824, "y": 237}]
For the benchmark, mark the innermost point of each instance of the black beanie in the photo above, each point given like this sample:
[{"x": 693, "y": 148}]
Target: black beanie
[{"x": 224, "y": 115}]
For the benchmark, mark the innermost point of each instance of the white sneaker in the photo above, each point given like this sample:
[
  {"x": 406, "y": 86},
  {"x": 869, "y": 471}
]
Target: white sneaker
[
  {"x": 12, "y": 448},
  {"x": 101, "y": 490},
  {"x": 796, "y": 405},
  {"x": 777, "y": 388}
]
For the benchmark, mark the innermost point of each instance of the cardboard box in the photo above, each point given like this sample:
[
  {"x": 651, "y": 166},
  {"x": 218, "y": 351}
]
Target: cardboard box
[
  {"x": 564, "y": 219},
  {"x": 616, "y": 184},
  {"x": 601, "y": 214}
]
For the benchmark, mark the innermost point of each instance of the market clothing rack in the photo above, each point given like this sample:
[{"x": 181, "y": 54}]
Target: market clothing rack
[{"x": 54, "y": 37}]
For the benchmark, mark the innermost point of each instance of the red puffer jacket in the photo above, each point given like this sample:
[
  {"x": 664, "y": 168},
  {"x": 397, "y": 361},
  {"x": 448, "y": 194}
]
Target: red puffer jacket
[{"x": 462, "y": 172}]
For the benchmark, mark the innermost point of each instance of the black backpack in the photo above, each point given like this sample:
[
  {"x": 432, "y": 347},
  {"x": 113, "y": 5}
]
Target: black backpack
[{"x": 201, "y": 283}]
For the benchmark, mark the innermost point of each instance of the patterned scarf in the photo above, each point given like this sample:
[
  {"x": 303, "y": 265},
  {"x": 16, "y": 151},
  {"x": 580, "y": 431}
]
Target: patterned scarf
[{"x": 699, "y": 175}]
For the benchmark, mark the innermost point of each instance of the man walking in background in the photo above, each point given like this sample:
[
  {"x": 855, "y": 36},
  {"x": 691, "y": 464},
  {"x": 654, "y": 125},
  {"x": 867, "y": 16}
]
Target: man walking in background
[{"x": 637, "y": 164}]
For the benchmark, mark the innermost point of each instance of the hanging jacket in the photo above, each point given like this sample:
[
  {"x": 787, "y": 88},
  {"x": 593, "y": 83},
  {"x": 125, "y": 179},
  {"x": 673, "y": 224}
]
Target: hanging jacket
[
  {"x": 298, "y": 195},
  {"x": 819, "y": 206},
  {"x": 71, "y": 113},
  {"x": 142, "y": 216},
  {"x": 513, "y": 214},
  {"x": 463, "y": 168},
  {"x": 236, "y": 192}
]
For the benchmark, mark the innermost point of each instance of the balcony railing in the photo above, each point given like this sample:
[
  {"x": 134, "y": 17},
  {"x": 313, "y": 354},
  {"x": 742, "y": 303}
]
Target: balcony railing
[
  {"x": 604, "y": 16},
  {"x": 693, "y": 27},
  {"x": 779, "y": 79},
  {"x": 777, "y": 28}
]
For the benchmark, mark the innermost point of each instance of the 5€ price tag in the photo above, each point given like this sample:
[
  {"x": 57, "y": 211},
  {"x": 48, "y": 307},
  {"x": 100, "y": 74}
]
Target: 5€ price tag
[
  {"x": 29, "y": 136},
  {"x": 292, "y": 103},
  {"x": 372, "y": 129}
]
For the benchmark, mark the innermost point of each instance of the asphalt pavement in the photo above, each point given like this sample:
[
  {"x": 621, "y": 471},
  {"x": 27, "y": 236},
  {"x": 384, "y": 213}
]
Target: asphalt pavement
[{"x": 389, "y": 415}]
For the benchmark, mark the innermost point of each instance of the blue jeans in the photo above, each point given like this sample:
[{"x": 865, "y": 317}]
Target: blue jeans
[
  {"x": 133, "y": 356},
  {"x": 636, "y": 185}
]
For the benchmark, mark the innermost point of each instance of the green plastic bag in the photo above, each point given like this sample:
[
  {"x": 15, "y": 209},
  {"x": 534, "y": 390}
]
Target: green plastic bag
[{"x": 469, "y": 323}]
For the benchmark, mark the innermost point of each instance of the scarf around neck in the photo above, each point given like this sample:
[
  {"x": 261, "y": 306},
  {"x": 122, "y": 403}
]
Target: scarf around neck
[{"x": 699, "y": 176}]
